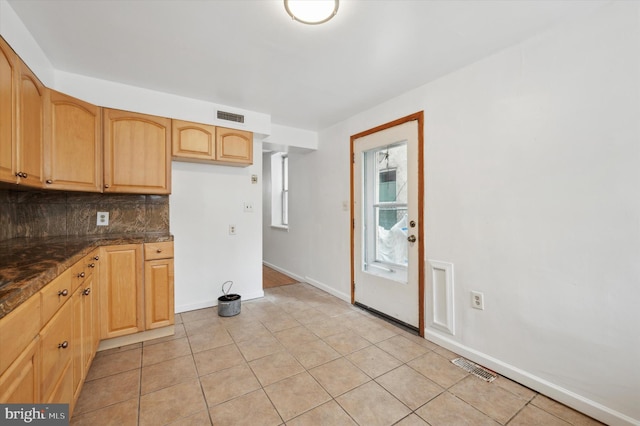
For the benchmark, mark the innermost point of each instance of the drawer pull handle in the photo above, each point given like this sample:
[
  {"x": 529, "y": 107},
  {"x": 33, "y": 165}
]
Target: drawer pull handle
[
  {"x": 92, "y": 265},
  {"x": 159, "y": 251},
  {"x": 81, "y": 275},
  {"x": 49, "y": 181},
  {"x": 86, "y": 291},
  {"x": 96, "y": 258},
  {"x": 63, "y": 345},
  {"x": 106, "y": 185},
  {"x": 64, "y": 292}
]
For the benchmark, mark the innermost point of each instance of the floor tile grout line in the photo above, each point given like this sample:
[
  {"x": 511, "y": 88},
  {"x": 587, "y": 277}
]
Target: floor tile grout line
[{"x": 528, "y": 401}]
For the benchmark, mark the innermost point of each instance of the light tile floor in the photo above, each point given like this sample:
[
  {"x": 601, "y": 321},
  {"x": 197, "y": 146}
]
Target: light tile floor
[{"x": 299, "y": 356}]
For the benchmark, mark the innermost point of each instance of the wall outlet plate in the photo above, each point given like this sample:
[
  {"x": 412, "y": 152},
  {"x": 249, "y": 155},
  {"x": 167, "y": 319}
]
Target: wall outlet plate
[
  {"x": 102, "y": 219},
  {"x": 232, "y": 230},
  {"x": 477, "y": 300}
]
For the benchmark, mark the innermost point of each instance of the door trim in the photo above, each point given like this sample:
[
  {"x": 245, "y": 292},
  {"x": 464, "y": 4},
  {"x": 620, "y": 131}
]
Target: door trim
[{"x": 419, "y": 116}]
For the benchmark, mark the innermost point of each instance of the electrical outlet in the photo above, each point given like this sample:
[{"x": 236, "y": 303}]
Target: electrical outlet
[
  {"x": 248, "y": 207},
  {"x": 102, "y": 219},
  {"x": 477, "y": 300},
  {"x": 232, "y": 230}
]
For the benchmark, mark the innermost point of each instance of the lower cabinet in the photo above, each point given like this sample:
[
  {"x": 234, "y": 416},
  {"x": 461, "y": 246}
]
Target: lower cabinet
[
  {"x": 121, "y": 290},
  {"x": 132, "y": 299},
  {"x": 158, "y": 285},
  {"x": 57, "y": 354},
  {"x": 21, "y": 382},
  {"x": 48, "y": 343}
]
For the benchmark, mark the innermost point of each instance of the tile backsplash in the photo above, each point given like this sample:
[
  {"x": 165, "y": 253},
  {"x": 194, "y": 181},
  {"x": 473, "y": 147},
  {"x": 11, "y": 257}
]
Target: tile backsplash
[{"x": 49, "y": 213}]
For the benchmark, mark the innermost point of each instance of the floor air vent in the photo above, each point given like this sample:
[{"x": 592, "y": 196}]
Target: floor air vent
[
  {"x": 475, "y": 369},
  {"x": 229, "y": 116}
]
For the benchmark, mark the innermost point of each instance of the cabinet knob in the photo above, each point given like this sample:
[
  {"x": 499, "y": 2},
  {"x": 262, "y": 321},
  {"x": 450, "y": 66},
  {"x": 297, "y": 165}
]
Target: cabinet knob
[
  {"x": 21, "y": 175},
  {"x": 91, "y": 265},
  {"x": 24, "y": 175},
  {"x": 86, "y": 291},
  {"x": 81, "y": 275},
  {"x": 96, "y": 257},
  {"x": 64, "y": 292},
  {"x": 159, "y": 251},
  {"x": 106, "y": 185},
  {"x": 63, "y": 345},
  {"x": 49, "y": 181}
]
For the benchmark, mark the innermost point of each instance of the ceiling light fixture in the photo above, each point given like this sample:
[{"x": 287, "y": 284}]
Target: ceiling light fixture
[{"x": 311, "y": 12}]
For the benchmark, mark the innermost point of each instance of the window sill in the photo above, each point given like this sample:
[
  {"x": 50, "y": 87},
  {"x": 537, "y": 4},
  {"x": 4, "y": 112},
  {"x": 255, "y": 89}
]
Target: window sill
[{"x": 283, "y": 227}]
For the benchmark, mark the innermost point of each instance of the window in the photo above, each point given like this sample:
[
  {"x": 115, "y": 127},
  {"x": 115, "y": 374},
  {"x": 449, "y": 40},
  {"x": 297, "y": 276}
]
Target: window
[
  {"x": 280, "y": 190},
  {"x": 285, "y": 190}
]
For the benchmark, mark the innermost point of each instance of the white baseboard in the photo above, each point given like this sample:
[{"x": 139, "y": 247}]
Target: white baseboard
[
  {"x": 283, "y": 271},
  {"x": 332, "y": 291},
  {"x": 214, "y": 302},
  {"x": 571, "y": 399}
]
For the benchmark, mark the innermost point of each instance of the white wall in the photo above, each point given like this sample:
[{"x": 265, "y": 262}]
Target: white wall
[
  {"x": 532, "y": 166},
  {"x": 207, "y": 199}
]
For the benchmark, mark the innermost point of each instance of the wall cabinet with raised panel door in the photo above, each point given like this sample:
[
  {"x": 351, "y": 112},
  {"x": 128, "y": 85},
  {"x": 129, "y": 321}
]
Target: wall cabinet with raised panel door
[
  {"x": 121, "y": 290},
  {"x": 193, "y": 141},
  {"x": 21, "y": 121},
  {"x": 158, "y": 285},
  {"x": 196, "y": 142},
  {"x": 8, "y": 98},
  {"x": 234, "y": 147},
  {"x": 137, "y": 152},
  {"x": 73, "y": 144}
]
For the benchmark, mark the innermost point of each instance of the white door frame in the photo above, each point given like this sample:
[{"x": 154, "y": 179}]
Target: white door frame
[{"x": 419, "y": 117}]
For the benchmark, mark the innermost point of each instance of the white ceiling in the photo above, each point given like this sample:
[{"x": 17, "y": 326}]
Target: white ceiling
[{"x": 249, "y": 54}]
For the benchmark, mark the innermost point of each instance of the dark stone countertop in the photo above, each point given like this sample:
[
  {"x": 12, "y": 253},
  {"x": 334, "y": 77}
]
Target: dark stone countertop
[{"x": 28, "y": 264}]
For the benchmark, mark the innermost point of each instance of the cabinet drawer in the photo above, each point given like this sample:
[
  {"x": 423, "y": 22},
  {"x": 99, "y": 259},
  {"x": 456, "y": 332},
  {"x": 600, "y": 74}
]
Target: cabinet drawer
[
  {"x": 55, "y": 294},
  {"x": 18, "y": 329},
  {"x": 158, "y": 250},
  {"x": 56, "y": 348}
]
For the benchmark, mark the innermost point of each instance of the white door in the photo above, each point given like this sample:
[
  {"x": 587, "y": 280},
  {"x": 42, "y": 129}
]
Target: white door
[{"x": 386, "y": 229}]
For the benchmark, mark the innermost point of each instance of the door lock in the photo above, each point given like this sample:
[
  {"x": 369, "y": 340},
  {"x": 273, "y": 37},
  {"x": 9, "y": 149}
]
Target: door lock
[
  {"x": 412, "y": 238},
  {"x": 412, "y": 224}
]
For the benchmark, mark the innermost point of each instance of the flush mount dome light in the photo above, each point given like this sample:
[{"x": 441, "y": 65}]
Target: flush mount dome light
[{"x": 311, "y": 12}]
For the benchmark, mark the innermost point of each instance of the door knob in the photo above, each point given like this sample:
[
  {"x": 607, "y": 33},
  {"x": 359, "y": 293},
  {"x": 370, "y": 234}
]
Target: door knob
[{"x": 412, "y": 238}]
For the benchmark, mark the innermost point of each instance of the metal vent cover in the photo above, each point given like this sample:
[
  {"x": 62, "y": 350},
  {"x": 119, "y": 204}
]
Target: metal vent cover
[
  {"x": 229, "y": 116},
  {"x": 475, "y": 369}
]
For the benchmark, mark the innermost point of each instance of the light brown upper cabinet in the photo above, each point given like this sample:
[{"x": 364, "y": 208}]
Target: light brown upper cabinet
[
  {"x": 234, "y": 146},
  {"x": 8, "y": 96},
  {"x": 204, "y": 143},
  {"x": 193, "y": 141},
  {"x": 21, "y": 121},
  {"x": 30, "y": 131},
  {"x": 137, "y": 152},
  {"x": 73, "y": 144}
]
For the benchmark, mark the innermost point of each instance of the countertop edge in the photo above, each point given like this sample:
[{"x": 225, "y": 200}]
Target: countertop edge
[{"x": 39, "y": 274}]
